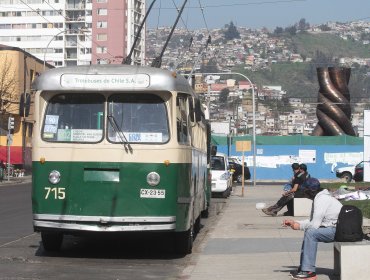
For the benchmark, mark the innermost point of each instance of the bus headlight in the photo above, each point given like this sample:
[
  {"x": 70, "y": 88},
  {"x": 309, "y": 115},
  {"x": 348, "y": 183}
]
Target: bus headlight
[
  {"x": 54, "y": 177},
  {"x": 153, "y": 179}
]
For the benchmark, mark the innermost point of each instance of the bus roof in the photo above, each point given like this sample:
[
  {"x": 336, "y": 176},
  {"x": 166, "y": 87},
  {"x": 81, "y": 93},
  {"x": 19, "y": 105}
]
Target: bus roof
[{"x": 110, "y": 77}]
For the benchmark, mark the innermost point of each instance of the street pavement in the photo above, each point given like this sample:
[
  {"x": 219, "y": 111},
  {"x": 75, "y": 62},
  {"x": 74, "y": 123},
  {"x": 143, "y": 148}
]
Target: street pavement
[
  {"x": 247, "y": 244},
  {"x": 244, "y": 243}
]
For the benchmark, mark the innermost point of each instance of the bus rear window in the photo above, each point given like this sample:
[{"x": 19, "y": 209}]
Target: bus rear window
[{"x": 74, "y": 118}]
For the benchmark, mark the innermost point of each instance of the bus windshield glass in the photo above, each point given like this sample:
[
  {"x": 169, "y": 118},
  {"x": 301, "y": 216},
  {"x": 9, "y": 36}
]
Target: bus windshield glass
[
  {"x": 142, "y": 118},
  {"x": 74, "y": 118}
]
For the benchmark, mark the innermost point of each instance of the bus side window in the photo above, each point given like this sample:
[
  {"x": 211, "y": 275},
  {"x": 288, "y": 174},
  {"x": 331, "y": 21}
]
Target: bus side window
[{"x": 182, "y": 120}]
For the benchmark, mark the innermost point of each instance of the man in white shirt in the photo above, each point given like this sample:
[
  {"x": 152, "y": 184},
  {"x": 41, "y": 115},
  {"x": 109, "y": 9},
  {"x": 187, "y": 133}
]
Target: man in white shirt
[{"x": 319, "y": 228}]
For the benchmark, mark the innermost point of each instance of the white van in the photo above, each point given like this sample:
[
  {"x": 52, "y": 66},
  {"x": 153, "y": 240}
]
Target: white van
[{"x": 221, "y": 176}]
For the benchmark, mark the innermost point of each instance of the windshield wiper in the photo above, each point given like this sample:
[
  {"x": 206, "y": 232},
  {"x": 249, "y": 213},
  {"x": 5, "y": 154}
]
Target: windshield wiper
[{"x": 120, "y": 133}]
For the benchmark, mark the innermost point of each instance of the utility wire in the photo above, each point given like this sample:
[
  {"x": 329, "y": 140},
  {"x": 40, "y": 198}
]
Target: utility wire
[
  {"x": 38, "y": 12},
  {"x": 60, "y": 12},
  {"x": 180, "y": 54},
  {"x": 178, "y": 11},
  {"x": 241, "y": 4},
  {"x": 204, "y": 18}
]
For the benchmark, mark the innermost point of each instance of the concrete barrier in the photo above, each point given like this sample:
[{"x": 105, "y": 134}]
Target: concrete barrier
[
  {"x": 351, "y": 260},
  {"x": 302, "y": 207}
]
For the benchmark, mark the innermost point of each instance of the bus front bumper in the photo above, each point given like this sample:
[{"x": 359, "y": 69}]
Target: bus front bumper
[{"x": 102, "y": 223}]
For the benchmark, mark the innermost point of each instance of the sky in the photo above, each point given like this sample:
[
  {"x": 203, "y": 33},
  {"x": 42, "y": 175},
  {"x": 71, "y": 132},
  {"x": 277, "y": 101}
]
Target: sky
[{"x": 255, "y": 13}]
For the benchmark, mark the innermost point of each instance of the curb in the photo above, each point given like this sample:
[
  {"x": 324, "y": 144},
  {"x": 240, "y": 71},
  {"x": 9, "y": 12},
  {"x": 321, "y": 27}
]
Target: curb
[{"x": 16, "y": 180}]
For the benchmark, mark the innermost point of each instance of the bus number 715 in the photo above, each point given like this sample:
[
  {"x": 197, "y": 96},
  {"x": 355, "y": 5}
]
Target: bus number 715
[{"x": 59, "y": 193}]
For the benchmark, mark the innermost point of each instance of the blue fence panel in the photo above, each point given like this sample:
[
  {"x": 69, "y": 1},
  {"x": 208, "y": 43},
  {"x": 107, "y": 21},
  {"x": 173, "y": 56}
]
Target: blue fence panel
[{"x": 274, "y": 161}]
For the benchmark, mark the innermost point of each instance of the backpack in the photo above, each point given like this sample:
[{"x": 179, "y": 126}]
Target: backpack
[
  {"x": 311, "y": 182},
  {"x": 349, "y": 224}
]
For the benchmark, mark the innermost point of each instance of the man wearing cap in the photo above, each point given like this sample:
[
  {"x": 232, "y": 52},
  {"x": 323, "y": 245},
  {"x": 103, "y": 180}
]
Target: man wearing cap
[{"x": 319, "y": 228}]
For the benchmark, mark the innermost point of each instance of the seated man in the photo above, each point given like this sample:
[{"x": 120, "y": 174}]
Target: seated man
[
  {"x": 319, "y": 228},
  {"x": 300, "y": 175}
]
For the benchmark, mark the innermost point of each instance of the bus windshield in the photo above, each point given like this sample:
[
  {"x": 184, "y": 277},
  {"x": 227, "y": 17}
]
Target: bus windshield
[
  {"x": 142, "y": 118},
  {"x": 74, "y": 118}
]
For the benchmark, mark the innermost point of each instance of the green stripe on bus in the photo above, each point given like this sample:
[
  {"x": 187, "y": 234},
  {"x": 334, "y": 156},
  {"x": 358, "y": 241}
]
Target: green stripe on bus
[{"x": 109, "y": 189}]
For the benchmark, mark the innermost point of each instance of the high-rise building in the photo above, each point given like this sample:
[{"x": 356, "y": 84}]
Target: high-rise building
[{"x": 74, "y": 32}]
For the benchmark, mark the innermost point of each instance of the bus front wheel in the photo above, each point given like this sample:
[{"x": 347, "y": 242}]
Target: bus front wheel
[
  {"x": 184, "y": 241},
  {"x": 52, "y": 241}
]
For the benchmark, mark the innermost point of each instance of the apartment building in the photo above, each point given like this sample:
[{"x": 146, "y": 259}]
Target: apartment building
[{"x": 74, "y": 32}]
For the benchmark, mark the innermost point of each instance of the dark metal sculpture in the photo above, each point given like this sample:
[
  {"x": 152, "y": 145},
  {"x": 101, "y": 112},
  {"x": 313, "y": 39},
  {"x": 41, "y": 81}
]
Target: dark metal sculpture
[{"x": 333, "y": 109}]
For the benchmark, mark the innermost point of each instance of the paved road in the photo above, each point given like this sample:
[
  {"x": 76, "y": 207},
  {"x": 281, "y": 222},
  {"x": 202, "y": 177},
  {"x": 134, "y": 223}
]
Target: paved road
[
  {"x": 124, "y": 256},
  {"x": 15, "y": 212}
]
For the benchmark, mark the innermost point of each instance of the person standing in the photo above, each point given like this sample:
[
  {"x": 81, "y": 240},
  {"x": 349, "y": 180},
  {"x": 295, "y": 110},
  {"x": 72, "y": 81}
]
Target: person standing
[
  {"x": 319, "y": 228},
  {"x": 300, "y": 175}
]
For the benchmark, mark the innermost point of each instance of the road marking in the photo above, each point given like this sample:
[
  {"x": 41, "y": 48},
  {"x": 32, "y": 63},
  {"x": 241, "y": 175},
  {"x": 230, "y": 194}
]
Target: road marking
[{"x": 11, "y": 242}]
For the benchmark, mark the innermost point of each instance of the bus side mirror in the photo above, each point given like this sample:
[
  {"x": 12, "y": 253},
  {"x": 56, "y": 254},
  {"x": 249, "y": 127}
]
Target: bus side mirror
[
  {"x": 191, "y": 109},
  {"x": 198, "y": 111}
]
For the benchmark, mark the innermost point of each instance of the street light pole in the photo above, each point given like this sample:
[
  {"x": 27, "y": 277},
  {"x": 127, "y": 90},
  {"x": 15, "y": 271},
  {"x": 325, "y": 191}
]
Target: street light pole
[
  {"x": 253, "y": 119},
  {"x": 47, "y": 46},
  {"x": 56, "y": 35}
]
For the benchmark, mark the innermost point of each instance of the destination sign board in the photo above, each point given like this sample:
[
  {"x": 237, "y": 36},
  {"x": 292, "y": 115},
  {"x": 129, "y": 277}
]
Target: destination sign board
[{"x": 96, "y": 81}]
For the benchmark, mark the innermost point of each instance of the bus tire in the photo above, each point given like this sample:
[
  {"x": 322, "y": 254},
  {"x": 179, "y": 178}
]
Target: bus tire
[
  {"x": 52, "y": 241},
  {"x": 197, "y": 225},
  {"x": 184, "y": 241},
  {"x": 205, "y": 213}
]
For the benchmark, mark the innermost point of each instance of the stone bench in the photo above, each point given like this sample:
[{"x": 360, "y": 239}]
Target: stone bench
[
  {"x": 302, "y": 207},
  {"x": 351, "y": 260}
]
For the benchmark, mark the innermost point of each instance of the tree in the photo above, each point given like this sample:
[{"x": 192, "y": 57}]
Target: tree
[
  {"x": 211, "y": 66},
  {"x": 303, "y": 25},
  {"x": 8, "y": 84},
  {"x": 224, "y": 94},
  {"x": 324, "y": 27},
  {"x": 231, "y": 33},
  {"x": 292, "y": 30},
  {"x": 278, "y": 31},
  {"x": 321, "y": 58}
]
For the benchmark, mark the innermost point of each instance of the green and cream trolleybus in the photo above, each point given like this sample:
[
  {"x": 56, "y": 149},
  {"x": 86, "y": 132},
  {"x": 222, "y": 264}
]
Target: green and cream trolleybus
[{"x": 118, "y": 148}]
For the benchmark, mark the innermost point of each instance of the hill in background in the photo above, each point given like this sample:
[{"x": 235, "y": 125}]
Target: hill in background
[{"x": 299, "y": 80}]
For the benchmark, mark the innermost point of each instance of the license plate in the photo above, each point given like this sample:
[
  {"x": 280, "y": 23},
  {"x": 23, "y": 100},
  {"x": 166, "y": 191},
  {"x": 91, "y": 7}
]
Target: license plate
[{"x": 152, "y": 193}]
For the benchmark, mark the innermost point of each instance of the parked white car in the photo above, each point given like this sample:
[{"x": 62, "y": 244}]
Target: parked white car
[
  {"x": 346, "y": 172},
  {"x": 221, "y": 176}
]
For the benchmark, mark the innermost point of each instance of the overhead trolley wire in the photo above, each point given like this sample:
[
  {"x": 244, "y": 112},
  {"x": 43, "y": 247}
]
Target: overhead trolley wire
[
  {"x": 205, "y": 48},
  {"x": 191, "y": 40},
  {"x": 38, "y": 12},
  {"x": 241, "y": 4},
  {"x": 204, "y": 18},
  {"x": 89, "y": 36}
]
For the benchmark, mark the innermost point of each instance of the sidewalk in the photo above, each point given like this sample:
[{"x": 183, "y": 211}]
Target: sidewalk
[
  {"x": 247, "y": 244},
  {"x": 16, "y": 180}
]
